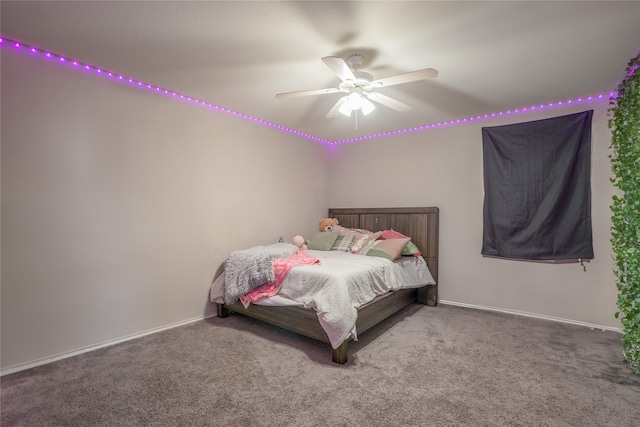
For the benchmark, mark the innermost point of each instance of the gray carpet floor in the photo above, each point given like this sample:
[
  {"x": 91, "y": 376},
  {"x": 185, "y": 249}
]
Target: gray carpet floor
[{"x": 424, "y": 366}]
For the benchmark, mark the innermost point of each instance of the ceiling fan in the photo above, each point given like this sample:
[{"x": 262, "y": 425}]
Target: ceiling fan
[{"x": 359, "y": 87}]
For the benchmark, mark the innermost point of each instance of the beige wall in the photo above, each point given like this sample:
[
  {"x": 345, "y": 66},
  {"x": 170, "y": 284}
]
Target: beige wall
[
  {"x": 444, "y": 168},
  {"x": 118, "y": 206}
]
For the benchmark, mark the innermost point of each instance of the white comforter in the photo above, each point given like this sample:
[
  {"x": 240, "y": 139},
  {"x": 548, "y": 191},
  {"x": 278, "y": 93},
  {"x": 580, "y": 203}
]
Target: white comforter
[{"x": 340, "y": 284}]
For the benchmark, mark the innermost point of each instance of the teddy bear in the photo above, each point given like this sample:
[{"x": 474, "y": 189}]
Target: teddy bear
[
  {"x": 298, "y": 240},
  {"x": 328, "y": 224}
]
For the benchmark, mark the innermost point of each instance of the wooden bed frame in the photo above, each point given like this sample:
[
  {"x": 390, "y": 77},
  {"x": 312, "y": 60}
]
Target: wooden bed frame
[{"x": 421, "y": 224}]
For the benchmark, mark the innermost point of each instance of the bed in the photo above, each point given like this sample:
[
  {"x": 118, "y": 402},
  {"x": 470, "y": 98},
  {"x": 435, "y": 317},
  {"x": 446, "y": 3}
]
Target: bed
[{"x": 418, "y": 223}]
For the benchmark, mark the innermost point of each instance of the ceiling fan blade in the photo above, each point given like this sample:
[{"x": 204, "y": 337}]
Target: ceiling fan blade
[
  {"x": 340, "y": 67},
  {"x": 427, "y": 73},
  {"x": 335, "y": 109},
  {"x": 387, "y": 101},
  {"x": 307, "y": 93}
]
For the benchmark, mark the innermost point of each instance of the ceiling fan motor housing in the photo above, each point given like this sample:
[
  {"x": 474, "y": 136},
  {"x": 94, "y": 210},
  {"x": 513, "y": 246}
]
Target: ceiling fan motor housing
[{"x": 361, "y": 83}]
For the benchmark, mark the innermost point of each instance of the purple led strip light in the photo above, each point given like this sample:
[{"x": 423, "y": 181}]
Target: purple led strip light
[
  {"x": 74, "y": 64},
  {"x": 489, "y": 116},
  {"x": 166, "y": 92}
]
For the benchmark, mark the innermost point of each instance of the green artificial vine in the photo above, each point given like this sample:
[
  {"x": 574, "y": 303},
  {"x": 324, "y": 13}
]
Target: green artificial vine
[{"x": 624, "y": 123}]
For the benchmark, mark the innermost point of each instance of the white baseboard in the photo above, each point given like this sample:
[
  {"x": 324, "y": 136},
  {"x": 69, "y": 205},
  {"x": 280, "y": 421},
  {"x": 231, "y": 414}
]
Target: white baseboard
[
  {"x": 537, "y": 316},
  {"x": 44, "y": 361}
]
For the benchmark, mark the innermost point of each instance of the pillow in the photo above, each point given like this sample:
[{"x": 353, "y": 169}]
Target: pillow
[
  {"x": 390, "y": 249},
  {"x": 410, "y": 249},
  {"x": 353, "y": 231},
  {"x": 361, "y": 238},
  {"x": 392, "y": 234},
  {"x": 323, "y": 241},
  {"x": 343, "y": 243}
]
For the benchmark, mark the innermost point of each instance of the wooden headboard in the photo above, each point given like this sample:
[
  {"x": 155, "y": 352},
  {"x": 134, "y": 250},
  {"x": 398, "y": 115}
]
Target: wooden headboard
[{"x": 421, "y": 224}]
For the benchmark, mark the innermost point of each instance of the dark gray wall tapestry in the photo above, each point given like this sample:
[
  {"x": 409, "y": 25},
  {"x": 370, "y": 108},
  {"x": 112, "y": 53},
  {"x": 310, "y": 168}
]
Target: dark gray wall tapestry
[{"x": 537, "y": 184}]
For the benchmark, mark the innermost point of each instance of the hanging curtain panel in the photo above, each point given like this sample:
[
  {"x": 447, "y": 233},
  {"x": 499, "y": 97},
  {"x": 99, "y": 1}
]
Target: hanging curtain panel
[{"x": 537, "y": 184}]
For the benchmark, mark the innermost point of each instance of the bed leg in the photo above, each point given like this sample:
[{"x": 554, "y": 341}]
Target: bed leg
[
  {"x": 340, "y": 354},
  {"x": 222, "y": 311},
  {"x": 428, "y": 295},
  {"x": 432, "y": 295}
]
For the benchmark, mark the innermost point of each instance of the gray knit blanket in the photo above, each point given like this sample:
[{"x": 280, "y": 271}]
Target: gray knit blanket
[{"x": 247, "y": 269}]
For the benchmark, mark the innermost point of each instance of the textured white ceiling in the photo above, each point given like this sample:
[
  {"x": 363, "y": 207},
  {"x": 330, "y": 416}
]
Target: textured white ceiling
[{"x": 491, "y": 56}]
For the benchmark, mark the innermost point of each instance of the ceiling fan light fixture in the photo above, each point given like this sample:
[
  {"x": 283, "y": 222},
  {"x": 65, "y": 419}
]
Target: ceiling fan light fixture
[
  {"x": 352, "y": 102},
  {"x": 356, "y": 101},
  {"x": 345, "y": 109},
  {"x": 367, "y": 106}
]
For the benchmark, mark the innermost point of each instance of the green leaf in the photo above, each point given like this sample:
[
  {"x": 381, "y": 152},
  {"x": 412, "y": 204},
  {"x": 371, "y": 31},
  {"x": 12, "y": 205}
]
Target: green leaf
[{"x": 624, "y": 123}]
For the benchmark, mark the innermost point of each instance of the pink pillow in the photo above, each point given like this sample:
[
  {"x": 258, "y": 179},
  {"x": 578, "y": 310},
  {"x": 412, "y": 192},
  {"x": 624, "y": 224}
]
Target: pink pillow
[{"x": 392, "y": 234}]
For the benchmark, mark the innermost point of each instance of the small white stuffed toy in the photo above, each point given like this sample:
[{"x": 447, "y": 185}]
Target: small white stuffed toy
[{"x": 298, "y": 240}]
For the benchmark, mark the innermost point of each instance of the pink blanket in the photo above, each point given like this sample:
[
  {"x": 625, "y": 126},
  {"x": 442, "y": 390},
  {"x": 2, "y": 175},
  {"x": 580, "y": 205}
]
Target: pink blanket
[{"x": 281, "y": 268}]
